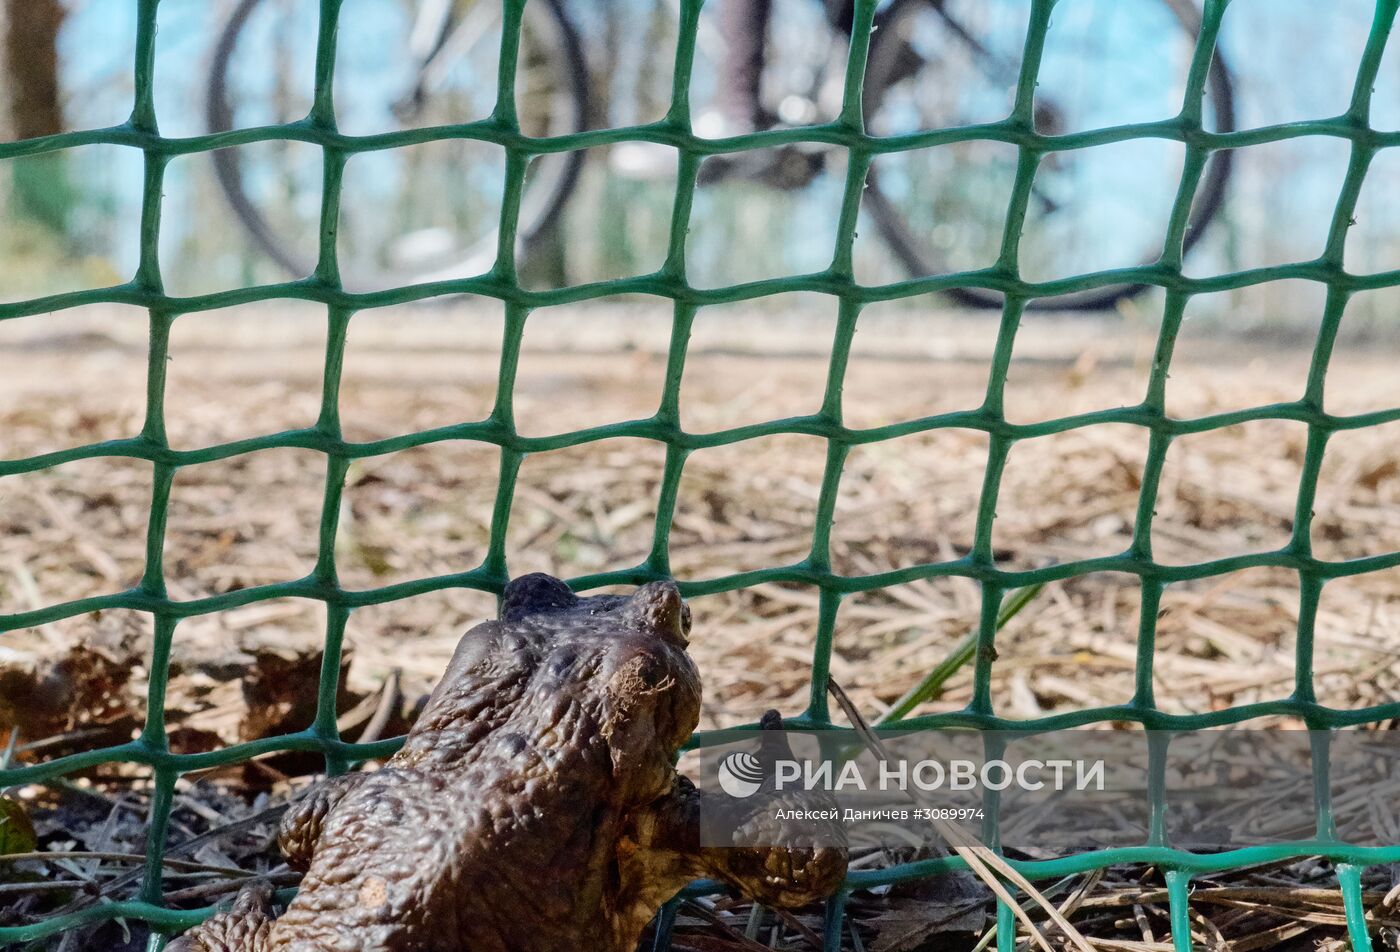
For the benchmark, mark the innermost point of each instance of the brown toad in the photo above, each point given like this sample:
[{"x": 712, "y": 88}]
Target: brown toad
[{"x": 534, "y": 807}]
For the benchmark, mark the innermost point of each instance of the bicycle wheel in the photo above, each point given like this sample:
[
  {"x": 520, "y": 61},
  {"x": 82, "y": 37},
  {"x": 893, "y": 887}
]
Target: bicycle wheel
[
  {"x": 438, "y": 198},
  {"x": 942, "y": 63}
]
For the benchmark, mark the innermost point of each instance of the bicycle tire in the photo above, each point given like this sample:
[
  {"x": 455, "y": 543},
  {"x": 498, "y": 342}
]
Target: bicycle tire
[
  {"x": 228, "y": 165},
  {"x": 918, "y": 261}
]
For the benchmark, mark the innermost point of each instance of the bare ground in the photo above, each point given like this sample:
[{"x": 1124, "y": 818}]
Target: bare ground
[{"x": 79, "y": 529}]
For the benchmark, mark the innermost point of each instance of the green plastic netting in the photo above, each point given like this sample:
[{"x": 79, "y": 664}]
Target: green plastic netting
[{"x": 146, "y": 289}]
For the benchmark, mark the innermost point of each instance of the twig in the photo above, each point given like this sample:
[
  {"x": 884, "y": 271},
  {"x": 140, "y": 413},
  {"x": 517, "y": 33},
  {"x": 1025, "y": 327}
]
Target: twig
[
  {"x": 388, "y": 701},
  {"x": 285, "y": 877},
  {"x": 83, "y": 733},
  {"x": 932, "y": 683},
  {"x": 52, "y": 855},
  {"x": 9, "y": 889},
  {"x": 1075, "y": 900},
  {"x": 797, "y": 924},
  {"x": 979, "y": 858},
  {"x": 729, "y": 932},
  {"x": 188, "y": 846}
]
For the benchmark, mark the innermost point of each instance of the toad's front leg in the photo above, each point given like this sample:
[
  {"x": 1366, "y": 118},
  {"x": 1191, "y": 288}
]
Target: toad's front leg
[
  {"x": 244, "y": 928},
  {"x": 786, "y": 867},
  {"x": 247, "y": 926},
  {"x": 791, "y": 868},
  {"x": 300, "y": 829}
]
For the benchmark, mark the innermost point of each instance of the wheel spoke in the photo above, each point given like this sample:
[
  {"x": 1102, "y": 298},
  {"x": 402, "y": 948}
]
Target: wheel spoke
[{"x": 926, "y": 65}]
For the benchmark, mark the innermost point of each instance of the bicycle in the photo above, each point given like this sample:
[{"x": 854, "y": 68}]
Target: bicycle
[{"x": 932, "y": 64}]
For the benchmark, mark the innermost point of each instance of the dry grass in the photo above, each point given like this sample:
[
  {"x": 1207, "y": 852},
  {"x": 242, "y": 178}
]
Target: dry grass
[
  {"x": 1286, "y": 905},
  {"x": 78, "y": 529}
]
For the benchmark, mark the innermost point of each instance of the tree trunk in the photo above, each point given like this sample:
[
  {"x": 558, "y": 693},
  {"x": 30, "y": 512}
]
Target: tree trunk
[
  {"x": 30, "y": 64},
  {"x": 7, "y": 133},
  {"x": 38, "y": 185}
]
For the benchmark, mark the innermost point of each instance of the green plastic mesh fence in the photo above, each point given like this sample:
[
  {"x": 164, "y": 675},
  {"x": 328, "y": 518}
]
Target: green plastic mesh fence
[{"x": 146, "y": 289}]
